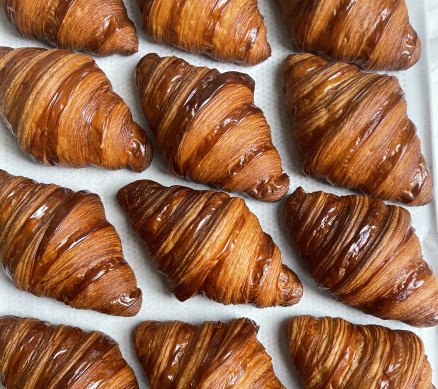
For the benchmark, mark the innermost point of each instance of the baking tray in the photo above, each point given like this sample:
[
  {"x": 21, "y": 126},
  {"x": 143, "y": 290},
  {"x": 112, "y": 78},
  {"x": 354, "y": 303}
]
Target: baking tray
[{"x": 158, "y": 302}]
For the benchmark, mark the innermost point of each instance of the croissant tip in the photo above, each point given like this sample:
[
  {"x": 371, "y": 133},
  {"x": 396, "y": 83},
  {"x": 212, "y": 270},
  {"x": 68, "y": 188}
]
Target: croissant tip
[
  {"x": 298, "y": 191},
  {"x": 294, "y": 201},
  {"x": 140, "y": 153},
  {"x": 261, "y": 52},
  {"x": 144, "y": 332},
  {"x": 261, "y": 49},
  {"x": 145, "y": 66},
  {"x": 426, "y": 195},
  {"x": 4, "y": 51},
  {"x": 128, "y": 197},
  {"x": 124, "y": 41},
  {"x": 290, "y": 288},
  {"x": 414, "y": 51},
  {"x": 4, "y": 174},
  {"x": 271, "y": 190},
  {"x": 126, "y": 305},
  {"x": 292, "y": 65},
  {"x": 6, "y": 321}
]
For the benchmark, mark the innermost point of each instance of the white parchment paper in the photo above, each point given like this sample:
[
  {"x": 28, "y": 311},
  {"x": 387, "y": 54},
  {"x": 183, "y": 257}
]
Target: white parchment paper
[{"x": 158, "y": 302}]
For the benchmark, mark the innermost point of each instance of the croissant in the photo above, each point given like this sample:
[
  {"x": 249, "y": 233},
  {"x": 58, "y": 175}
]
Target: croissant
[
  {"x": 366, "y": 253},
  {"x": 57, "y": 243},
  {"x": 334, "y": 353},
  {"x": 62, "y": 109},
  {"x": 96, "y": 26},
  {"x": 208, "y": 242},
  {"x": 226, "y": 30},
  {"x": 36, "y": 355},
  {"x": 207, "y": 126},
  {"x": 211, "y": 355},
  {"x": 373, "y": 34},
  {"x": 353, "y": 130}
]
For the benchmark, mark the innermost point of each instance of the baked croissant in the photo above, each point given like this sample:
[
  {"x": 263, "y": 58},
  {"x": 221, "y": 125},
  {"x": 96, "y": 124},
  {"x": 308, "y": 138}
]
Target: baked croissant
[
  {"x": 208, "y": 128},
  {"x": 57, "y": 243},
  {"x": 366, "y": 253},
  {"x": 226, "y": 30},
  {"x": 373, "y": 34},
  {"x": 36, "y": 355},
  {"x": 100, "y": 27},
  {"x": 208, "y": 242},
  {"x": 334, "y": 353},
  {"x": 62, "y": 109},
  {"x": 210, "y": 355},
  {"x": 353, "y": 130}
]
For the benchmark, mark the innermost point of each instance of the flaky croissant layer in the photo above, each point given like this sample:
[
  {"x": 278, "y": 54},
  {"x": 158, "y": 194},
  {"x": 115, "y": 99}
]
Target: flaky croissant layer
[
  {"x": 334, "y": 353},
  {"x": 62, "y": 109},
  {"x": 210, "y": 355},
  {"x": 57, "y": 243},
  {"x": 96, "y": 26},
  {"x": 374, "y": 34},
  {"x": 208, "y": 242},
  {"x": 353, "y": 129},
  {"x": 37, "y": 355},
  {"x": 226, "y": 30},
  {"x": 366, "y": 253},
  {"x": 208, "y": 128}
]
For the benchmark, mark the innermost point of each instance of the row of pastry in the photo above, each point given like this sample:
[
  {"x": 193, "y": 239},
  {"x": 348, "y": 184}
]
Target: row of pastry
[
  {"x": 374, "y": 34},
  {"x": 326, "y": 352},
  {"x": 352, "y": 127},
  {"x": 56, "y": 242}
]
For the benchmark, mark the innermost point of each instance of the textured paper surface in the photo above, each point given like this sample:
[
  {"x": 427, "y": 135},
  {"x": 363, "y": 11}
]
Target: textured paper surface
[{"x": 158, "y": 302}]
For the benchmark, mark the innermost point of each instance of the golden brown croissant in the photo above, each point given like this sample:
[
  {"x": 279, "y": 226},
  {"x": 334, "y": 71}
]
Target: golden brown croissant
[
  {"x": 208, "y": 242},
  {"x": 210, "y": 355},
  {"x": 96, "y": 26},
  {"x": 353, "y": 129},
  {"x": 207, "y": 126},
  {"x": 374, "y": 34},
  {"x": 57, "y": 243},
  {"x": 334, "y": 353},
  {"x": 366, "y": 253},
  {"x": 62, "y": 109},
  {"x": 37, "y": 355},
  {"x": 226, "y": 30}
]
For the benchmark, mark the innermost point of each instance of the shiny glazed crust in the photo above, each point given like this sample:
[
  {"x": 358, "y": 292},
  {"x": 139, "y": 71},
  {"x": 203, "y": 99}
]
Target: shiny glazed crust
[
  {"x": 373, "y": 34},
  {"x": 36, "y": 355},
  {"x": 96, "y": 26},
  {"x": 226, "y": 30},
  {"x": 208, "y": 128},
  {"x": 334, "y": 353},
  {"x": 57, "y": 243},
  {"x": 366, "y": 253},
  {"x": 210, "y": 355},
  {"x": 208, "y": 242},
  {"x": 62, "y": 109},
  {"x": 353, "y": 129}
]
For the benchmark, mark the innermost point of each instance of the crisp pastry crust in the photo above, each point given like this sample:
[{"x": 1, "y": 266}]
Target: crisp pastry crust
[
  {"x": 208, "y": 128},
  {"x": 209, "y": 243},
  {"x": 95, "y": 26},
  {"x": 57, "y": 243},
  {"x": 226, "y": 30},
  {"x": 353, "y": 129},
  {"x": 334, "y": 353},
  {"x": 36, "y": 355},
  {"x": 62, "y": 110},
  {"x": 366, "y": 253},
  {"x": 373, "y": 34},
  {"x": 210, "y": 355}
]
